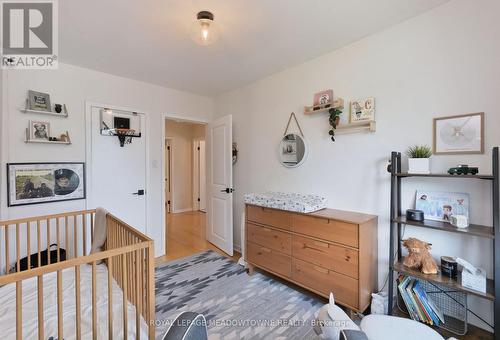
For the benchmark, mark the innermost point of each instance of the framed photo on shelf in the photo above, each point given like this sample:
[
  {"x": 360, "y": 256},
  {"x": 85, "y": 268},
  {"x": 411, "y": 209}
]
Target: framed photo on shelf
[
  {"x": 39, "y": 101},
  {"x": 440, "y": 206},
  {"x": 362, "y": 110},
  {"x": 39, "y": 130},
  {"x": 323, "y": 97},
  {"x": 462, "y": 134},
  {"x": 35, "y": 183}
]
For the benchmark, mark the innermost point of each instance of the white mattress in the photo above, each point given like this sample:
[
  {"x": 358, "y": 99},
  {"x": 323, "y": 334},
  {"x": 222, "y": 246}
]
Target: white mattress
[{"x": 30, "y": 306}]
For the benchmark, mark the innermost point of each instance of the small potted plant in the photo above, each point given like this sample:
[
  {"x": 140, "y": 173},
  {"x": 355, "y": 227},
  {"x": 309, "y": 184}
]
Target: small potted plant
[
  {"x": 334, "y": 121},
  {"x": 419, "y": 159}
]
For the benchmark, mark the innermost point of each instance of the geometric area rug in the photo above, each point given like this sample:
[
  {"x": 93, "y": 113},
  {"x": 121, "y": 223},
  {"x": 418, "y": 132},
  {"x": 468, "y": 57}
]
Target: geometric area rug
[{"x": 236, "y": 305}]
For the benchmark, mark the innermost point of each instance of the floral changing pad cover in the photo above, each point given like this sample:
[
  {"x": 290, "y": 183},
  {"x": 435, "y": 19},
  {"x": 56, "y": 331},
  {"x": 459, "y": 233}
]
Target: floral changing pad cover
[{"x": 287, "y": 201}]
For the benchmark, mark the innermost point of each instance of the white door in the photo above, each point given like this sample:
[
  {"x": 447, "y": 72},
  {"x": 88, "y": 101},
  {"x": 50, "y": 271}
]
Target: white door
[
  {"x": 203, "y": 177},
  {"x": 220, "y": 184},
  {"x": 118, "y": 174}
]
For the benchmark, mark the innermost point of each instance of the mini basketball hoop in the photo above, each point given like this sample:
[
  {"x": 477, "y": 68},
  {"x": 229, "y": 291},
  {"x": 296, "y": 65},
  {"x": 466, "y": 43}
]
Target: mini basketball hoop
[{"x": 125, "y": 135}]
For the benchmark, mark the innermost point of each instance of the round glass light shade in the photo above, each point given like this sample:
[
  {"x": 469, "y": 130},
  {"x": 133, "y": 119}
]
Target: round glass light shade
[{"x": 204, "y": 32}]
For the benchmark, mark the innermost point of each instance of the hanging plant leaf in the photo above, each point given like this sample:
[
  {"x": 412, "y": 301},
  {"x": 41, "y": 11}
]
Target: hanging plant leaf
[{"x": 333, "y": 120}]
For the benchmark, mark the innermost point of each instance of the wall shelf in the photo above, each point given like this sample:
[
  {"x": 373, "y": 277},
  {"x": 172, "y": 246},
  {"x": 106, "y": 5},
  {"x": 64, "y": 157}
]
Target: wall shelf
[
  {"x": 63, "y": 113},
  {"x": 337, "y": 103},
  {"x": 367, "y": 126},
  {"x": 44, "y": 141},
  {"x": 444, "y": 175},
  {"x": 473, "y": 229}
]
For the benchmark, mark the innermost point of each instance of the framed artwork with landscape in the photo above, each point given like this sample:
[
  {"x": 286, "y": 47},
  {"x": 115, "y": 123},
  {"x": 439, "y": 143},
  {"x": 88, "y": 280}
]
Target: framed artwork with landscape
[{"x": 35, "y": 183}]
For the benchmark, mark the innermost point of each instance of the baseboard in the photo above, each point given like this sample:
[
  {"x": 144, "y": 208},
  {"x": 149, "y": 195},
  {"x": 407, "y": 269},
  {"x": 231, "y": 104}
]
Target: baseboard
[{"x": 177, "y": 211}]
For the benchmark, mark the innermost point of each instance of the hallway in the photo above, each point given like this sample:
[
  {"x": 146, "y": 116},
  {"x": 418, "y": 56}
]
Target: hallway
[{"x": 186, "y": 236}]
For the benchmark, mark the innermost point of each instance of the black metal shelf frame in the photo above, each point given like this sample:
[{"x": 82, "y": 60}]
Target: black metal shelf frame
[{"x": 397, "y": 223}]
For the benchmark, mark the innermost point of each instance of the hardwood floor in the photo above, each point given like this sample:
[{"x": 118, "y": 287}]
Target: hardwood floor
[{"x": 186, "y": 235}]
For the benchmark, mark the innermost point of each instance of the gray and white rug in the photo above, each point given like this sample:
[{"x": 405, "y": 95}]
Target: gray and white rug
[{"x": 236, "y": 305}]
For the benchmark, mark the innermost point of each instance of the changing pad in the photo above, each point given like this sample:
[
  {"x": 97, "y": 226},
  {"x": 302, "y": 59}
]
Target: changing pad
[{"x": 287, "y": 201}]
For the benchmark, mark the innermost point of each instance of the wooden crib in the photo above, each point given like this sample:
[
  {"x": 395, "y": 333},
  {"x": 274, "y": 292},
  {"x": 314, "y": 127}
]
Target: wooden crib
[{"x": 128, "y": 255}]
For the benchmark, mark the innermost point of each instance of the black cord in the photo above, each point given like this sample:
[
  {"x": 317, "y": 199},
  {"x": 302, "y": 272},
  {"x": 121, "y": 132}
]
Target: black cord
[{"x": 395, "y": 254}]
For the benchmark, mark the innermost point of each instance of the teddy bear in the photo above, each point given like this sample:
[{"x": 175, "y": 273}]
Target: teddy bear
[{"x": 419, "y": 256}]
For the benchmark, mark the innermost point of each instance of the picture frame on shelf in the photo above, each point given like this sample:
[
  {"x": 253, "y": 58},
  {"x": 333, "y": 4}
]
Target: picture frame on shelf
[
  {"x": 440, "y": 206},
  {"x": 323, "y": 97},
  {"x": 36, "y": 183},
  {"x": 39, "y": 130},
  {"x": 362, "y": 110},
  {"x": 39, "y": 101},
  {"x": 459, "y": 134}
]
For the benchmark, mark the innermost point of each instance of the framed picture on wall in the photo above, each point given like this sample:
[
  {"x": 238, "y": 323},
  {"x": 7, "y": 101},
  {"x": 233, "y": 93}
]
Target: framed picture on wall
[
  {"x": 462, "y": 134},
  {"x": 39, "y": 101},
  {"x": 362, "y": 110},
  {"x": 39, "y": 130},
  {"x": 35, "y": 183}
]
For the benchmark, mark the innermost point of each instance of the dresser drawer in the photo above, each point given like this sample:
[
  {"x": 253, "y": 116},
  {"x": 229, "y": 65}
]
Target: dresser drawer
[
  {"x": 275, "y": 218},
  {"x": 270, "y": 238},
  {"x": 345, "y": 289},
  {"x": 335, "y": 231},
  {"x": 269, "y": 259},
  {"x": 337, "y": 258}
]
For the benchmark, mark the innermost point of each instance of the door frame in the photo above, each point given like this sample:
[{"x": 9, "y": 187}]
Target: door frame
[
  {"x": 196, "y": 172},
  {"x": 88, "y": 150},
  {"x": 177, "y": 117}
]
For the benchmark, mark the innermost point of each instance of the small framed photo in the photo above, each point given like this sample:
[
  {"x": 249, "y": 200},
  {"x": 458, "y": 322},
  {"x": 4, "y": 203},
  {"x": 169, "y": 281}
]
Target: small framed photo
[
  {"x": 440, "y": 206},
  {"x": 323, "y": 97},
  {"x": 362, "y": 110},
  {"x": 462, "y": 134},
  {"x": 39, "y": 130},
  {"x": 39, "y": 101}
]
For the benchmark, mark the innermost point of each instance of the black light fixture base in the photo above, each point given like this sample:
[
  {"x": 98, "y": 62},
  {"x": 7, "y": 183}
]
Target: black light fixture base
[{"x": 205, "y": 15}]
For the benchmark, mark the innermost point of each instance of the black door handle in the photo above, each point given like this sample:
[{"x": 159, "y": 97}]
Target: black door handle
[
  {"x": 228, "y": 190},
  {"x": 139, "y": 192}
]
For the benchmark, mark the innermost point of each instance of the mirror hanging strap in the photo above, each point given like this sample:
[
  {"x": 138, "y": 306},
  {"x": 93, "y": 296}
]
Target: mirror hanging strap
[{"x": 292, "y": 115}]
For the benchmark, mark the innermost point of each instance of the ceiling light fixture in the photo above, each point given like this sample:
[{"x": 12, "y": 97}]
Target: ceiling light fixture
[{"x": 204, "y": 31}]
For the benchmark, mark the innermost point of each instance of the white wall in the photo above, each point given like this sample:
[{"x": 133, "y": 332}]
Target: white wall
[
  {"x": 74, "y": 86},
  {"x": 183, "y": 135},
  {"x": 441, "y": 63}
]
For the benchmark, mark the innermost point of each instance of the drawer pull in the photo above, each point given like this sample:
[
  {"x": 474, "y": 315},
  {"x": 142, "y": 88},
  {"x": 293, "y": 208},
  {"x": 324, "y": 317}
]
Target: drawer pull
[
  {"x": 321, "y": 244},
  {"x": 265, "y": 250},
  {"x": 347, "y": 258},
  {"x": 312, "y": 248},
  {"x": 266, "y": 229},
  {"x": 321, "y": 270}
]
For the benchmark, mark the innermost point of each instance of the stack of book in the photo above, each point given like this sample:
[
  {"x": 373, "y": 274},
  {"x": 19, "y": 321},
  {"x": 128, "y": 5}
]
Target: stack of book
[{"x": 419, "y": 305}]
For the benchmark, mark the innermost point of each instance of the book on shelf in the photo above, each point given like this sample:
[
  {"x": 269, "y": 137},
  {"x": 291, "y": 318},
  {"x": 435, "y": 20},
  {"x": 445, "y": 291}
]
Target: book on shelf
[{"x": 419, "y": 305}]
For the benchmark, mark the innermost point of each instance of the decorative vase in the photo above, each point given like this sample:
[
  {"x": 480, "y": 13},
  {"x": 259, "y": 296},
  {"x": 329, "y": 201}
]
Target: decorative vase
[{"x": 419, "y": 165}]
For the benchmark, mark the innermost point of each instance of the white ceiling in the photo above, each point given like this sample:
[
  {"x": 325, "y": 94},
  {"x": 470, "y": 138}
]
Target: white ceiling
[{"x": 149, "y": 40}]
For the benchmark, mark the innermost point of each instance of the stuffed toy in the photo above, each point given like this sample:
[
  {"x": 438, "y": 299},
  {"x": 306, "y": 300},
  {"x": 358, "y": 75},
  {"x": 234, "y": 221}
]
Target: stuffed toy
[{"x": 419, "y": 256}]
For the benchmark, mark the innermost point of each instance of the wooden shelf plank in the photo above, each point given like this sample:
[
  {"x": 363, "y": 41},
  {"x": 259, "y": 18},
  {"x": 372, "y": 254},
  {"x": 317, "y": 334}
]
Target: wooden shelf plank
[
  {"x": 47, "y": 142},
  {"x": 478, "y": 176},
  {"x": 473, "y": 229},
  {"x": 50, "y": 113},
  {"x": 337, "y": 103},
  {"x": 367, "y": 126},
  {"x": 447, "y": 281}
]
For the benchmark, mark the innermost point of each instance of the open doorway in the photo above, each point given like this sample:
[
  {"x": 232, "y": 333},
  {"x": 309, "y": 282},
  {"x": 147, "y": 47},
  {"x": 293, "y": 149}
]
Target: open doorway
[{"x": 185, "y": 188}]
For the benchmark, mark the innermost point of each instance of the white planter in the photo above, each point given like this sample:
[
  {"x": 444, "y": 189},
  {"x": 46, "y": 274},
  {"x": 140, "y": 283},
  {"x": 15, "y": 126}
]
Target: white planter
[{"x": 419, "y": 165}]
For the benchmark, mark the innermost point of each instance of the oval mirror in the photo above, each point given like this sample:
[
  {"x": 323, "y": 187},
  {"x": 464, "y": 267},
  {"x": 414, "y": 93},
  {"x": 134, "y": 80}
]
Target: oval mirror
[{"x": 293, "y": 150}]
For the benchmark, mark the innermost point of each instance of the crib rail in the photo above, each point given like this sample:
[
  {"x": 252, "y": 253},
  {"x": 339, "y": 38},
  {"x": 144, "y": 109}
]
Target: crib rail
[{"x": 128, "y": 254}]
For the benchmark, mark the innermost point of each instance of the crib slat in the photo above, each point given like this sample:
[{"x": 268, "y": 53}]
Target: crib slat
[
  {"x": 19, "y": 310},
  {"x": 84, "y": 222},
  {"x": 75, "y": 237},
  {"x": 58, "y": 227},
  {"x": 110, "y": 298},
  {"x": 18, "y": 248},
  {"x": 124, "y": 288},
  {"x": 138, "y": 305},
  {"x": 91, "y": 227},
  {"x": 78, "y": 307},
  {"x": 150, "y": 289},
  {"x": 48, "y": 241},
  {"x": 28, "y": 243},
  {"x": 94, "y": 304},
  {"x": 40, "y": 307},
  {"x": 66, "y": 234},
  {"x": 7, "y": 250},
  {"x": 39, "y": 241},
  {"x": 59, "y": 306}
]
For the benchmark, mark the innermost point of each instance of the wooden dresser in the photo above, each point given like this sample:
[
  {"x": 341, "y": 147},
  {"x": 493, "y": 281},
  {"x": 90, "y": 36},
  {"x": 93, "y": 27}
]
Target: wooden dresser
[{"x": 325, "y": 251}]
